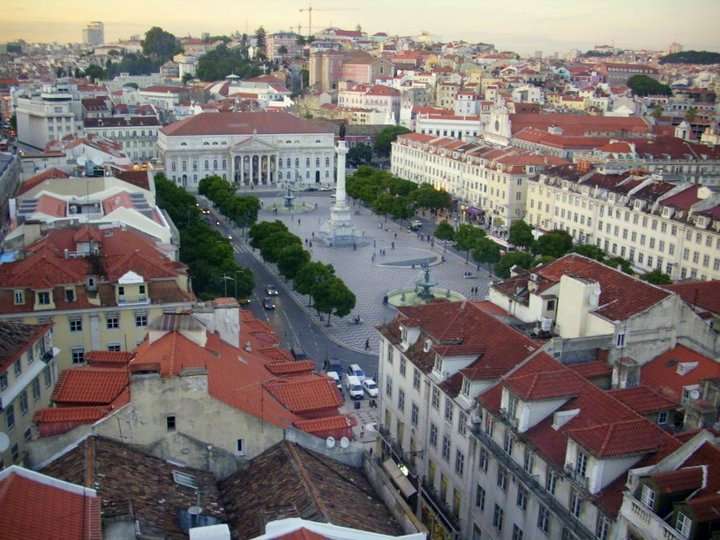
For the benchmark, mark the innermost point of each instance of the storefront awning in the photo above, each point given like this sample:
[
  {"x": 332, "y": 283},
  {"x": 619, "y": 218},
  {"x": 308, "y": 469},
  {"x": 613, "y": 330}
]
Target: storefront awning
[{"x": 400, "y": 480}]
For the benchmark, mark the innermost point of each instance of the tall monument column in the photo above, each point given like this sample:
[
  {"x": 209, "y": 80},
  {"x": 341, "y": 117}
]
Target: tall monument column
[{"x": 340, "y": 194}]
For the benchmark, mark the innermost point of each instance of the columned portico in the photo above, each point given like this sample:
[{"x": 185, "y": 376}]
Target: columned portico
[{"x": 258, "y": 169}]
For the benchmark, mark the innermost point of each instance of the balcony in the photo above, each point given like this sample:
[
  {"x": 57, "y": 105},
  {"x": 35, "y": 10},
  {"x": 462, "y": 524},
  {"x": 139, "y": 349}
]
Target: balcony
[
  {"x": 440, "y": 507},
  {"x": 645, "y": 522}
]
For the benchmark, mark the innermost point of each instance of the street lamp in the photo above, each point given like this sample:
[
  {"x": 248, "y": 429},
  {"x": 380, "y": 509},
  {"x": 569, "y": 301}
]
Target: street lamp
[{"x": 225, "y": 280}]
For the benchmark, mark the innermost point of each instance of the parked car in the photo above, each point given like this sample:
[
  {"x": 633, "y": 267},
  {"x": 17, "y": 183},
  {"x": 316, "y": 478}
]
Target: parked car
[
  {"x": 271, "y": 290},
  {"x": 416, "y": 225},
  {"x": 268, "y": 303},
  {"x": 354, "y": 370},
  {"x": 332, "y": 375},
  {"x": 332, "y": 365},
  {"x": 370, "y": 387},
  {"x": 354, "y": 387},
  {"x": 298, "y": 353}
]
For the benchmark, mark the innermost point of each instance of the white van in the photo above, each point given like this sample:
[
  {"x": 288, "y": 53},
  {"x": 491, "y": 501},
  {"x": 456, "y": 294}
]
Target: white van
[
  {"x": 334, "y": 377},
  {"x": 354, "y": 387}
]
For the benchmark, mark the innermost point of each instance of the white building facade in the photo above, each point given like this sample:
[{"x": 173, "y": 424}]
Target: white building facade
[
  {"x": 250, "y": 149},
  {"x": 48, "y": 115},
  {"x": 137, "y": 134}
]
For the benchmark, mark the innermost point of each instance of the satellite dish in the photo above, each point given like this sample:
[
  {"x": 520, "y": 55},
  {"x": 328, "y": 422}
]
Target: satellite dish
[
  {"x": 344, "y": 442},
  {"x": 4, "y": 442},
  {"x": 330, "y": 442},
  {"x": 694, "y": 394}
]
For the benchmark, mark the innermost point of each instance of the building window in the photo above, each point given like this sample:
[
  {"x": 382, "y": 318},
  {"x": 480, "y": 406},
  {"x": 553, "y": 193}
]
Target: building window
[
  {"x": 502, "y": 477},
  {"x": 575, "y": 503},
  {"x": 436, "y": 398},
  {"x": 528, "y": 460},
  {"x": 240, "y": 447},
  {"x": 170, "y": 423},
  {"x": 36, "y": 389},
  {"x": 683, "y": 524},
  {"x": 480, "y": 497},
  {"x": 416, "y": 379},
  {"x": 10, "y": 417},
  {"x": 522, "y": 497},
  {"x": 662, "y": 417},
  {"x": 28, "y": 434},
  {"x": 19, "y": 297},
  {"x": 403, "y": 366},
  {"x": 47, "y": 376},
  {"x": 43, "y": 298},
  {"x": 517, "y": 533},
  {"x": 23, "y": 402},
  {"x": 543, "y": 520},
  {"x": 648, "y": 497},
  {"x": 114, "y": 347},
  {"x": 550, "y": 481},
  {"x": 433, "y": 435},
  {"x": 462, "y": 423},
  {"x": 388, "y": 386},
  {"x": 401, "y": 400},
  {"x": 112, "y": 322},
  {"x": 508, "y": 442},
  {"x": 483, "y": 460},
  {"x": 602, "y": 528},
  {"x": 141, "y": 320},
  {"x": 15, "y": 452},
  {"x": 581, "y": 464},
  {"x": 446, "y": 448},
  {"x": 3, "y": 381},
  {"x": 76, "y": 325},
  {"x": 17, "y": 367},
  {"x": 459, "y": 462},
  {"x": 78, "y": 355},
  {"x": 448, "y": 410},
  {"x": 414, "y": 413},
  {"x": 498, "y": 518}
]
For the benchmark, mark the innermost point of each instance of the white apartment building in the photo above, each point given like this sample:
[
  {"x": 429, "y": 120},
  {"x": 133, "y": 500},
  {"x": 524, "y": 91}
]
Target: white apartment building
[
  {"x": 48, "y": 115},
  {"x": 491, "y": 182},
  {"x": 255, "y": 148},
  {"x": 94, "y": 34},
  {"x": 288, "y": 40},
  {"x": 28, "y": 372},
  {"x": 654, "y": 224},
  {"x": 378, "y": 98},
  {"x": 449, "y": 125},
  {"x": 433, "y": 361},
  {"x": 137, "y": 134}
]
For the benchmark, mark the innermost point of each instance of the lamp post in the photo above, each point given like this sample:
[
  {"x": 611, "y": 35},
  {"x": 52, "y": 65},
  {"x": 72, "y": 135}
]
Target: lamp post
[{"x": 225, "y": 280}]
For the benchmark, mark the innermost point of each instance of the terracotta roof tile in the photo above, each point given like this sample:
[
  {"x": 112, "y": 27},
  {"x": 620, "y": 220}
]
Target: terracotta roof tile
[
  {"x": 684, "y": 479},
  {"x": 39, "y": 178},
  {"x": 592, "y": 370},
  {"x": 291, "y": 368},
  {"x": 643, "y": 399},
  {"x": 89, "y": 386},
  {"x": 244, "y": 123},
  {"x": 665, "y": 372},
  {"x": 304, "y": 395},
  {"x": 16, "y": 338},
  {"x": 634, "y": 436},
  {"x": 35, "y": 506},
  {"x": 118, "y": 359},
  {"x": 703, "y": 294}
]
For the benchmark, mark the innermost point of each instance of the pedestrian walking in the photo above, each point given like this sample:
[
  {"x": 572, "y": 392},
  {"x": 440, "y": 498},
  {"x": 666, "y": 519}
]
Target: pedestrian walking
[
  {"x": 367, "y": 344},
  {"x": 395, "y": 235},
  {"x": 392, "y": 244},
  {"x": 310, "y": 244},
  {"x": 298, "y": 222}
]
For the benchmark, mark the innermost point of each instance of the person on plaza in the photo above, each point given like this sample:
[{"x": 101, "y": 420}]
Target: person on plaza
[{"x": 367, "y": 344}]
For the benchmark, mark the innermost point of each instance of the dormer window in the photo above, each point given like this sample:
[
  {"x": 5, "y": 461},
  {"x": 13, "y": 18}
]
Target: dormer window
[
  {"x": 438, "y": 364},
  {"x": 69, "y": 295},
  {"x": 427, "y": 345},
  {"x": 403, "y": 334},
  {"x": 121, "y": 291},
  {"x": 43, "y": 298},
  {"x": 581, "y": 464},
  {"x": 466, "y": 387},
  {"x": 19, "y": 297},
  {"x": 512, "y": 406},
  {"x": 683, "y": 524}
]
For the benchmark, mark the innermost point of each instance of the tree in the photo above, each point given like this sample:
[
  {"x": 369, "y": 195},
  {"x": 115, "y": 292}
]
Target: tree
[
  {"x": 426, "y": 196},
  {"x": 466, "y": 238},
  {"x": 486, "y": 251},
  {"x": 260, "y": 231},
  {"x": 272, "y": 245},
  {"x": 221, "y": 62},
  {"x": 160, "y": 45},
  {"x": 642, "y": 85},
  {"x": 359, "y": 154},
  {"x": 13, "y": 122},
  {"x": 291, "y": 259},
  {"x": 691, "y": 57},
  {"x": 621, "y": 264},
  {"x": 656, "y": 277},
  {"x": 95, "y": 72},
  {"x": 522, "y": 259},
  {"x": 691, "y": 114},
  {"x": 78, "y": 73},
  {"x": 260, "y": 37},
  {"x": 186, "y": 78},
  {"x": 554, "y": 244},
  {"x": 657, "y": 112},
  {"x": 385, "y": 138},
  {"x": 311, "y": 276},
  {"x": 444, "y": 231},
  {"x": 333, "y": 296},
  {"x": 590, "y": 251},
  {"x": 521, "y": 234},
  {"x": 134, "y": 64}
]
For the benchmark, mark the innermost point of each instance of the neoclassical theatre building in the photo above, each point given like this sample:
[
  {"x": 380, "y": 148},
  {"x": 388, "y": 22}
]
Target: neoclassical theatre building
[{"x": 250, "y": 148}]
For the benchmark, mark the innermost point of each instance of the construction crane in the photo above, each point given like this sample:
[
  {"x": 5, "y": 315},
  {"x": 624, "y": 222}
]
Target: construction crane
[{"x": 310, "y": 10}]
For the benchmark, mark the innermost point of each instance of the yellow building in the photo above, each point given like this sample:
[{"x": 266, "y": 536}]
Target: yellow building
[{"x": 99, "y": 288}]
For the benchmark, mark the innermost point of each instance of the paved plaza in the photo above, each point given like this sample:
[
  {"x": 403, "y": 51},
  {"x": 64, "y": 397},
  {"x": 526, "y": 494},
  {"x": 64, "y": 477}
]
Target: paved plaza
[{"x": 372, "y": 270}]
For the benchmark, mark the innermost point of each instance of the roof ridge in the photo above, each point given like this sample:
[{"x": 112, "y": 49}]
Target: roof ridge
[{"x": 305, "y": 478}]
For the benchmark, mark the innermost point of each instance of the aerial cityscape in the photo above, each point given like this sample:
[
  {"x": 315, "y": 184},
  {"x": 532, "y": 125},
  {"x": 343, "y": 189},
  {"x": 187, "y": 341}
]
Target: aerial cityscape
[{"x": 415, "y": 271}]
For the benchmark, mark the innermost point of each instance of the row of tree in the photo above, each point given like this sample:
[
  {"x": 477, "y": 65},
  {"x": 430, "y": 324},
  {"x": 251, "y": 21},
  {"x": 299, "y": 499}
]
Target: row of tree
[
  {"x": 388, "y": 194},
  {"x": 222, "y": 61},
  {"x": 207, "y": 253},
  {"x": 242, "y": 210},
  {"x": 326, "y": 291},
  {"x": 548, "y": 247}
]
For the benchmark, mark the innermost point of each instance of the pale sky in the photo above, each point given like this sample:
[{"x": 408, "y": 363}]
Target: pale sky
[{"x": 520, "y": 25}]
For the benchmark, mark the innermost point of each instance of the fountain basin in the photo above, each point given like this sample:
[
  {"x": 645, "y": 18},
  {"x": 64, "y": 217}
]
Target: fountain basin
[{"x": 411, "y": 297}]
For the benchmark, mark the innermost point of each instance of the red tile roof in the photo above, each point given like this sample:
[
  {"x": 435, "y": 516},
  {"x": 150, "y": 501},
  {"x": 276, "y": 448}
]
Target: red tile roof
[
  {"x": 89, "y": 386},
  {"x": 301, "y": 534},
  {"x": 16, "y": 338},
  {"x": 244, "y": 123},
  {"x": 685, "y": 479},
  {"x": 643, "y": 399},
  {"x": 118, "y": 359},
  {"x": 39, "y": 178},
  {"x": 621, "y": 295},
  {"x": 562, "y": 383},
  {"x": 592, "y": 370},
  {"x": 304, "y": 395},
  {"x": 38, "y": 506},
  {"x": 703, "y": 294},
  {"x": 579, "y": 124},
  {"x": 291, "y": 368},
  {"x": 662, "y": 373}
]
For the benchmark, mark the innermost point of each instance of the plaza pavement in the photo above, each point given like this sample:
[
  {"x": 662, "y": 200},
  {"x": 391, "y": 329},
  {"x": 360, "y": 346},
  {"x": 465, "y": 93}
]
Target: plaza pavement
[{"x": 371, "y": 280}]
